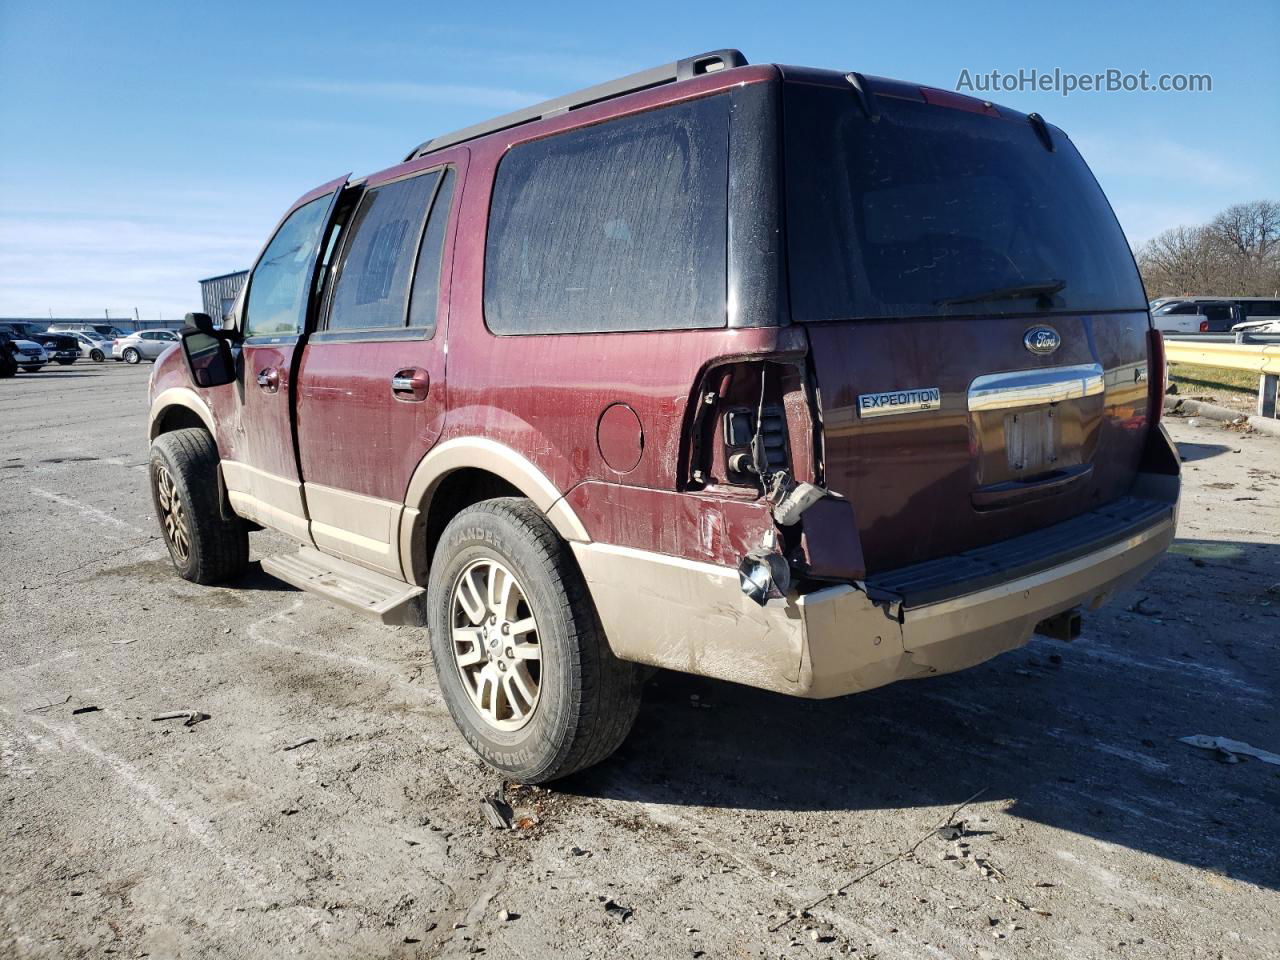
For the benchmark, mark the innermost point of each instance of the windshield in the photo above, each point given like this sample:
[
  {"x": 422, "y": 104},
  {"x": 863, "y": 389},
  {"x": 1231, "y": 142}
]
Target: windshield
[{"x": 937, "y": 211}]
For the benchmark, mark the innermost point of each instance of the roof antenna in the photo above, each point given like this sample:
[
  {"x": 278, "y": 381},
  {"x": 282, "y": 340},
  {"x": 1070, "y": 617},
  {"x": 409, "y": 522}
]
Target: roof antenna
[
  {"x": 866, "y": 99},
  {"x": 1042, "y": 130}
]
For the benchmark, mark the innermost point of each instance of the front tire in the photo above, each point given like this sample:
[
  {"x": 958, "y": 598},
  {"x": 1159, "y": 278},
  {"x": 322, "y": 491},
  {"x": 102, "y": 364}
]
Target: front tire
[
  {"x": 32, "y": 369},
  {"x": 66, "y": 363},
  {"x": 204, "y": 547},
  {"x": 131, "y": 356},
  {"x": 97, "y": 356},
  {"x": 521, "y": 658}
]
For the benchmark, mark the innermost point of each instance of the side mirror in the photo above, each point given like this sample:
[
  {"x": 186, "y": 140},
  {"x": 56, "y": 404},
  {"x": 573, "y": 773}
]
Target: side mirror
[
  {"x": 202, "y": 322},
  {"x": 209, "y": 356}
]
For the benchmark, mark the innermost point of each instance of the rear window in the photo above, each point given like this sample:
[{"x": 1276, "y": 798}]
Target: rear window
[
  {"x": 616, "y": 226},
  {"x": 930, "y": 204}
]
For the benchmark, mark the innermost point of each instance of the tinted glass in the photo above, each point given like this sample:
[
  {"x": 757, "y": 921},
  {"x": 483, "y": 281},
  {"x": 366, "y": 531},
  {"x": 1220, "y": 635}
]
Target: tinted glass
[
  {"x": 373, "y": 280},
  {"x": 1260, "y": 308},
  {"x": 931, "y": 204},
  {"x": 277, "y": 303},
  {"x": 426, "y": 277},
  {"x": 618, "y": 226}
]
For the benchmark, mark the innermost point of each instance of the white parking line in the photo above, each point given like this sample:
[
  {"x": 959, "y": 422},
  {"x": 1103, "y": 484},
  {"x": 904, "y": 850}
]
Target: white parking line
[
  {"x": 88, "y": 510},
  {"x": 390, "y": 672}
]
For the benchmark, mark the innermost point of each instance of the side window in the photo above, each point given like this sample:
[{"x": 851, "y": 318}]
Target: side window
[
  {"x": 277, "y": 302},
  {"x": 426, "y": 276},
  {"x": 613, "y": 227},
  {"x": 372, "y": 289}
]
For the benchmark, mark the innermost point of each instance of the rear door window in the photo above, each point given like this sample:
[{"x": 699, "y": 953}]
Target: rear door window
[
  {"x": 372, "y": 289},
  {"x": 612, "y": 227},
  {"x": 931, "y": 205}
]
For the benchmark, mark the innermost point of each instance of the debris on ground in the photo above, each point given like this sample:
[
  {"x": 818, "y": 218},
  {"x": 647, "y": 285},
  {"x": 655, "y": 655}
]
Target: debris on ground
[
  {"x": 301, "y": 743},
  {"x": 617, "y": 911},
  {"x": 507, "y": 915},
  {"x": 952, "y": 831},
  {"x": 951, "y": 818},
  {"x": 88, "y": 709},
  {"x": 1230, "y": 751},
  {"x": 496, "y": 810},
  {"x": 121, "y": 643},
  {"x": 1145, "y": 609},
  {"x": 189, "y": 717},
  {"x": 48, "y": 706}
]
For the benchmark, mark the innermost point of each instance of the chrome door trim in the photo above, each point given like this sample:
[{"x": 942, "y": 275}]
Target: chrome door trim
[{"x": 1029, "y": 388}]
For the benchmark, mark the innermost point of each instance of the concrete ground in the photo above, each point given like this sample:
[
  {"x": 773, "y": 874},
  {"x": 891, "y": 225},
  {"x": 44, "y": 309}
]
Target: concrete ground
[{"x": 1096, "y": 832}]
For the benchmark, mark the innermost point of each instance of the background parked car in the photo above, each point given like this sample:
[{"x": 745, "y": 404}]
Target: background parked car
[
  {"x": 94, "y": 346},
  {"x": 8, "y": 365},
  {"x": 30, "y": 355},
  {"x": 63, "y": 348},
  {"x": 144, "y": 345},
  {"x": 102, "y": 329},
  {"x": 1195, "y": 315}
]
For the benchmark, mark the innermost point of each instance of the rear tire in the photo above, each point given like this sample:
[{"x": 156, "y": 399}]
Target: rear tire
[
  {"x": 131, "y": 356},
  {"x": 66, "y": 363},
  {"x": 584, "y": 700},
  {"x": 32, "y": 369},
  {"x": 204, "y": 547}
]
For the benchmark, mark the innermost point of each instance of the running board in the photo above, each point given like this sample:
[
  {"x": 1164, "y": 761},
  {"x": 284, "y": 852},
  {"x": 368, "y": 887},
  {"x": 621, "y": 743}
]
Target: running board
[{"x": 348, "y": 585}]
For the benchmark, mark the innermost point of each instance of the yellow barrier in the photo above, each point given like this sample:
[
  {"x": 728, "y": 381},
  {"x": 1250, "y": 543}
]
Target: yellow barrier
[{"x": 1253, "y": 357}]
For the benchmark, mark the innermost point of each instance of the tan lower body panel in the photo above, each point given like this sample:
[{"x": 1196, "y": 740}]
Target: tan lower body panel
[
  {"x": 693, "y": 617},
  {"x": 354, "y": 527},
  {"x": 267, "y": 499}
]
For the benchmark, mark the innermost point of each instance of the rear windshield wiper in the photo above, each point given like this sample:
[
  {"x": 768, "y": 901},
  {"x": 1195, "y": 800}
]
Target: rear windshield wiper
[{"x": 1040, "y": 288}]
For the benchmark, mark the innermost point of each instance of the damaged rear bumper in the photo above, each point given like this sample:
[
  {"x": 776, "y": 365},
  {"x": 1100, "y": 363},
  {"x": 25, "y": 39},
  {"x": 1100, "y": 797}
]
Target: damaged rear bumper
[{"x": 916, "y": 622}]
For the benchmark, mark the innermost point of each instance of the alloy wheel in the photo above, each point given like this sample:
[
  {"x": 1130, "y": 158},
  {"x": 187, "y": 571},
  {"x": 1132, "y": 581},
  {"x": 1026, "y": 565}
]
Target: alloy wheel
[
  {"x": 495, "y": 644},
  {"x": 172, "y": 517}
]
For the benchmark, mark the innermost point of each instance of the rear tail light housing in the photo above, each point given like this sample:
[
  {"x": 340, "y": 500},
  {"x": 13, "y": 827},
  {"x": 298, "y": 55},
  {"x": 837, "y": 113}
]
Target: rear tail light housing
[
  {"x": 1157, "y": 373},
  {"x": 1204, "y": 326}
]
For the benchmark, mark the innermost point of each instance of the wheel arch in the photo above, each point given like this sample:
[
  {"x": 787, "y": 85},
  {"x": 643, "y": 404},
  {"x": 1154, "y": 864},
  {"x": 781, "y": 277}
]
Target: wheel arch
[
  {"x": 462, "y": 472},
  {"x": 176, "y": 409}
]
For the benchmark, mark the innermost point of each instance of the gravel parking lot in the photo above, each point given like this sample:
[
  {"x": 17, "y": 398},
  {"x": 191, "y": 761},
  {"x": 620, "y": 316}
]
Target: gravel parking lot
[{"x": 1096, "y": 833}]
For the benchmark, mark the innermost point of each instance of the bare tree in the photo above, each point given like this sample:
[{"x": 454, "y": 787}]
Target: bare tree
[{"x": 1237, "y": 254}]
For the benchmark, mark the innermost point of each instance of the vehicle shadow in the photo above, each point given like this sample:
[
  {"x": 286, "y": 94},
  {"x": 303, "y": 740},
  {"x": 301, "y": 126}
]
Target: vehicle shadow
[
  {"x": 255, "y": 578},
  {"x": 1190, "y": 452},
  {"x": 1081, "y": 735}
]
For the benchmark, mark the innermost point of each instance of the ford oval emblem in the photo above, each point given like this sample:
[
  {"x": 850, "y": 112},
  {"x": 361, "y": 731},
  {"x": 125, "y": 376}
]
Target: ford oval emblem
[{"x": 1042, "y": 340}]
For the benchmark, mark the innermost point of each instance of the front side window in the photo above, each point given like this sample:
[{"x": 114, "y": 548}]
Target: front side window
[
  {"x": 277, "y": 303},
  {"x": 372, "y": 288},
  {"x": 613, "y": 227}
]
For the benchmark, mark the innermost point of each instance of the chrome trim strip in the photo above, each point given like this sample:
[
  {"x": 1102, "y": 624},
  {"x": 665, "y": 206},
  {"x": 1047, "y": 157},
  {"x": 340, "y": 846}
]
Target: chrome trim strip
[{"x": 1029, "y": 388}]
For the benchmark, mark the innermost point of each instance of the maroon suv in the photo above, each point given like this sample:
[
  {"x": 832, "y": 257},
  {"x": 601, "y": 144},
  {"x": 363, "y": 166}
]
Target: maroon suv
[{"x": 798, "y": 378}]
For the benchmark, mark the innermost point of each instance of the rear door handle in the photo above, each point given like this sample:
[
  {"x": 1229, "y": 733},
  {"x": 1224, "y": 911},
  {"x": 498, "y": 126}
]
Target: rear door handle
[
  {"x": 269, "y": 379},
  {"x": 411, "y": 384}
]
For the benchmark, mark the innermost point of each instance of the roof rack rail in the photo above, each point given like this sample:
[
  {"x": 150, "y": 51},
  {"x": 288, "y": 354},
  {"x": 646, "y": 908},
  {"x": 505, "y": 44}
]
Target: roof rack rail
[{"x": 685, "y": 69}]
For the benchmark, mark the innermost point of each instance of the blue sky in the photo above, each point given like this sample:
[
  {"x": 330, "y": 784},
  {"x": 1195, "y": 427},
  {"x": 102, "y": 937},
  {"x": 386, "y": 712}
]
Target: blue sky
[{"x": 146, "y": 145}]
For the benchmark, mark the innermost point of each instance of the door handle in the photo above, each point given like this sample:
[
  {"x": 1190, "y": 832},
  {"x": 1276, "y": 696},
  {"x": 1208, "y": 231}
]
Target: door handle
[
  {"x": 411, "y": 384},
  {"x": 269, "y": 379}
]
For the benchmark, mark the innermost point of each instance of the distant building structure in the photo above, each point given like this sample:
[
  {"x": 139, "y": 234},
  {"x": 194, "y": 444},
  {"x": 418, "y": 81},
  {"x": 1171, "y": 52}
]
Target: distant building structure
[{"x": 220, "y": 294}]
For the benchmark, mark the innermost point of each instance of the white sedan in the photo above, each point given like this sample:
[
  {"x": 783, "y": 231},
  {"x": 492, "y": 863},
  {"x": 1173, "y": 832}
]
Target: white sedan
[
  {"x": 94, "y": 346},
  {"x": 143, "y": 345}
]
